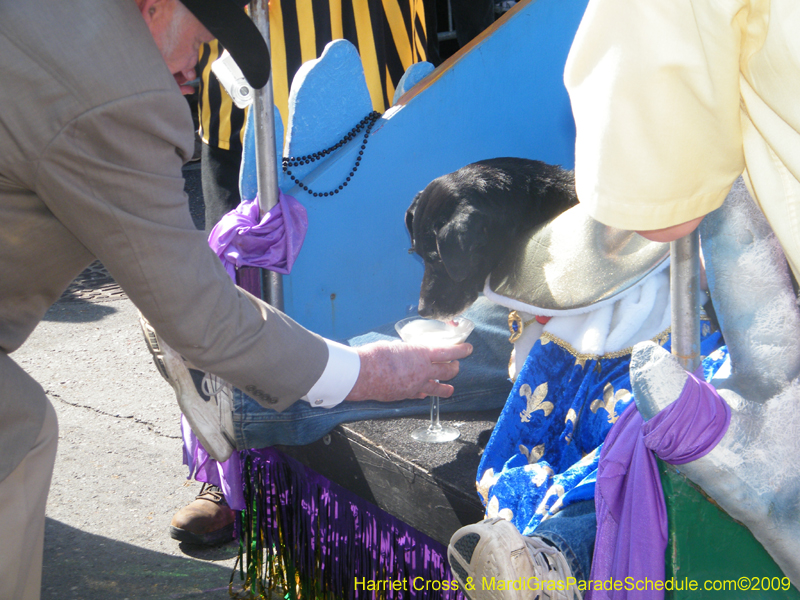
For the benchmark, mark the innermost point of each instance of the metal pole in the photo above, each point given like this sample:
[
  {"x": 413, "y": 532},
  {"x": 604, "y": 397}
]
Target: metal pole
[
  {"x": 685, "y": 299},
  {"x": 266, "y": 161}
]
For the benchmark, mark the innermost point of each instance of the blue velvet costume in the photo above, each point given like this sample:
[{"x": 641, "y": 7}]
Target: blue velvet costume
[{"x": 544, "y": 450}]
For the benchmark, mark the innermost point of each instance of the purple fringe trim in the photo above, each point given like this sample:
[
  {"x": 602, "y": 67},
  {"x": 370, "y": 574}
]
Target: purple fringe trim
[{"x": 329, "y": 540}]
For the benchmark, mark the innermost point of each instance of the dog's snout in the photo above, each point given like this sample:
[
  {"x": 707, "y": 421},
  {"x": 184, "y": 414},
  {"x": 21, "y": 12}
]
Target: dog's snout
[{"x": 425, "y": 309}]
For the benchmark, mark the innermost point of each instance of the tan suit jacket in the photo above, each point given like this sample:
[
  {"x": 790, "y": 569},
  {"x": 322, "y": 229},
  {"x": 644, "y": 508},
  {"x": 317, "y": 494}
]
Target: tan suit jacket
[{"x": 93, "y": 134}]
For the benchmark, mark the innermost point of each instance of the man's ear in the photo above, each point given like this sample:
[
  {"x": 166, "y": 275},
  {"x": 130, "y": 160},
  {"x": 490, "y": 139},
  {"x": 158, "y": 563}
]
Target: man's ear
[
  {"x": 151, "y": 9},
  {"x": 410, "y": 216}
]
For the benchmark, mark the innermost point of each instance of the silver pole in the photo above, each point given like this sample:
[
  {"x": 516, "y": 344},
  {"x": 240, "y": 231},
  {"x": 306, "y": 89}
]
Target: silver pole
[
  {"x": 266, "y": 161},
  {"x": 685, "y": 299}
]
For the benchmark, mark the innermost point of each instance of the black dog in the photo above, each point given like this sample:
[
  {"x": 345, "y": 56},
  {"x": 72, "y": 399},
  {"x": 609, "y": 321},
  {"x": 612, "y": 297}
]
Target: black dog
[{"x": 461, "y": 224}]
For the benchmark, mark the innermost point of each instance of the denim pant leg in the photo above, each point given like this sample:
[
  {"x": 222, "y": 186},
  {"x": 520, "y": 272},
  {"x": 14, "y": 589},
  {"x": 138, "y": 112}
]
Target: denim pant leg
[
  {"x": 482, "y": 383},
  {"x": 572, "y": 531}
]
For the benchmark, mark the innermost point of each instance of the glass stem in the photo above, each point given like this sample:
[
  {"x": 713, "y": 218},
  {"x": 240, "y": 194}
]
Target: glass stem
[{"x": 435, "y": 425}]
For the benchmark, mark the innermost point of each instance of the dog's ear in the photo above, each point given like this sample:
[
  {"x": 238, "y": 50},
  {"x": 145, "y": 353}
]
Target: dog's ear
[
  {"x": 470, "y": 244},
  {"x": 455, "y": 245},
  {"x": 410, "y": 216}
]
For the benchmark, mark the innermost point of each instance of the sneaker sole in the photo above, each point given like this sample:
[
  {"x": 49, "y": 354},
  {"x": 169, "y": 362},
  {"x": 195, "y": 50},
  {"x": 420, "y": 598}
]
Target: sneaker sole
[{"x": 203, "y": 417}]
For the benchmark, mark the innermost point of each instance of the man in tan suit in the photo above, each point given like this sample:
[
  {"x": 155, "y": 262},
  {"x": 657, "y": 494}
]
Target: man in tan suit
[{"x": 93, "y": 134}]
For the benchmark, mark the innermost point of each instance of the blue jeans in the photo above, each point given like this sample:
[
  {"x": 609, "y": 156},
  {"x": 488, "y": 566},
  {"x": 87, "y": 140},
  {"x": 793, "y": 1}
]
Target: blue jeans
[
  {"x": 572, "y": 531},
  {"x": 482, "y": 383}
]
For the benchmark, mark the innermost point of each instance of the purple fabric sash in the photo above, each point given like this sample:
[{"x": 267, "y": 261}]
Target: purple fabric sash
[
  {"x": 631, "y": 513},
  {"x": 227, "y": 475},
  {"x": 240, "y": 239}
]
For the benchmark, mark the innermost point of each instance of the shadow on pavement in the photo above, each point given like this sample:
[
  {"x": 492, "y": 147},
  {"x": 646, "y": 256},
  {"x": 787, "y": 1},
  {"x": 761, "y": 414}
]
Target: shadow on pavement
[
  {"x": 78, "y": 311},
  {"x": 85, "y": 566}
]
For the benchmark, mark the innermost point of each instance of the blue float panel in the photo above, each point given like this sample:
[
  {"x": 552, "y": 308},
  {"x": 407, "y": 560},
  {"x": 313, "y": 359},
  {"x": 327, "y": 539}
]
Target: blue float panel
[{"x": 503, "y": 95}]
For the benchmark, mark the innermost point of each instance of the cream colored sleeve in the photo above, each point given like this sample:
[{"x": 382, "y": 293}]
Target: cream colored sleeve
[{"x": 654, "y": 86}]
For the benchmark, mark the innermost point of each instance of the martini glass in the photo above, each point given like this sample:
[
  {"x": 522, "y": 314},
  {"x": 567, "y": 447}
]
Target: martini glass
[{"x": 432, "y": 333}]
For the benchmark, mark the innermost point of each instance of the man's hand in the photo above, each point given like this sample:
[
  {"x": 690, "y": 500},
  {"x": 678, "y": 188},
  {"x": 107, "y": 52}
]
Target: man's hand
[
  {"x": 670, "y": 234},
  {"x": 396, "y": 371},
  {"x": 183, "y": 78}
]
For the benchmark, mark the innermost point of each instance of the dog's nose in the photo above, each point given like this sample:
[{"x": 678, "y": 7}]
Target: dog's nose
[{"x": 424, "y": 309}]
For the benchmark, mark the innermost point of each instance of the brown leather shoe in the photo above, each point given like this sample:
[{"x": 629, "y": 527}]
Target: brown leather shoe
[{"x": 208, "y": 521}]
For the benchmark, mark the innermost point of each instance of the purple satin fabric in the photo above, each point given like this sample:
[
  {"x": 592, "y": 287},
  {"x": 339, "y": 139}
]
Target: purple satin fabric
[
  {"x": 273, "y": 242},
  {"x": 225, "y": 475},
  {"x": 631, "y": 513},
  {"x": 241, "y": 240}
]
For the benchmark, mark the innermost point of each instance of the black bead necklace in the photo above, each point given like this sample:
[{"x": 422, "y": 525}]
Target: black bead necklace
[{"x": 366, "y": 124}]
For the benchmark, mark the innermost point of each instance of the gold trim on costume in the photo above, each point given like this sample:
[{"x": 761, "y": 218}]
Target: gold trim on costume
[
  {"x": 660, "y": 339},
  {"x": 546, "y": 337}
]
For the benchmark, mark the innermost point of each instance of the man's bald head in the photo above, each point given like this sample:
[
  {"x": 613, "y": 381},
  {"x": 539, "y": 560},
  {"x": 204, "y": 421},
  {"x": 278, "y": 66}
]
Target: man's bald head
[
  {"x": 178, "y": 35},
  {"x": 180, "y": 27}
]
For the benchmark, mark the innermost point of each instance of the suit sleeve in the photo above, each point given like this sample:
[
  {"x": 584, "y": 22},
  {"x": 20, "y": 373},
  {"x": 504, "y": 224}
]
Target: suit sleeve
[
  {"x": 113, "y": 177},
  {"x": 654, "y": 88}
]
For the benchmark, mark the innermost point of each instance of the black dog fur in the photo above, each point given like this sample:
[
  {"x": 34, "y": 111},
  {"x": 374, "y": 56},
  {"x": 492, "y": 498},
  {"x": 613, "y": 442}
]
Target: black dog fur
[{"x": 461, "y": 224}]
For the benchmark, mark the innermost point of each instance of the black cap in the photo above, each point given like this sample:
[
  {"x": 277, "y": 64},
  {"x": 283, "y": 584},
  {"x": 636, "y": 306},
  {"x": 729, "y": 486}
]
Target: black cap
[{"x": 227, "y": 21}]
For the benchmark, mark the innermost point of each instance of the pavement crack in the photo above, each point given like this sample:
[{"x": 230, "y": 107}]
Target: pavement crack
[{"x": 148, "y": 425}]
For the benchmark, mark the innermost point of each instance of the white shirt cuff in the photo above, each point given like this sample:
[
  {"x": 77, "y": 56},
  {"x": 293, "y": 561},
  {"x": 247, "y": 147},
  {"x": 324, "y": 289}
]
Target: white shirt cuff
[{"x": 337, "y": 379}]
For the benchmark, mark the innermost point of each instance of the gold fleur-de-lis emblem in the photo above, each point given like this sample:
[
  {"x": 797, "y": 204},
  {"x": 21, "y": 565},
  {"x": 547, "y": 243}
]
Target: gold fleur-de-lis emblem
[
  {"x": 493, "y": 510},
  {"x": 555, "y": 490},
  {"x": 541, "y": 473},
  {"x": 534, "y": 454},
  {"x": 485, "y": 484},
  {"x": 535, "y": 401},
  {"x": 609, "y": 402},
  {"x": 555, "y": 508},
  {"x": 572, "y": 417}
]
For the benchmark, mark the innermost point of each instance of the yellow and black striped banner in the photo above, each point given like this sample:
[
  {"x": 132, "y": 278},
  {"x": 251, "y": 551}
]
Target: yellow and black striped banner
[
  {"x": 389, "y": 35},
  {"x": 221, "y": 122}
]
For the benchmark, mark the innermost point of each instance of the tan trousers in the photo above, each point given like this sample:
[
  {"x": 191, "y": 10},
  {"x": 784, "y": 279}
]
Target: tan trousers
[{"x": 23, "y": 496}]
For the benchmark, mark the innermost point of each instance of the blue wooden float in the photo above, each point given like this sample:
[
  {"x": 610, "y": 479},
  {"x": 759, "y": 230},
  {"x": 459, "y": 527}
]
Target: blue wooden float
[
  {"x": 502, "y": 95},
  {"x": 354, "y": 271}
]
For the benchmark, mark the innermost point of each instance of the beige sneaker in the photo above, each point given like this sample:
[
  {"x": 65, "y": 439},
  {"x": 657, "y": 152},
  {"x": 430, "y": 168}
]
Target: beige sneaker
[
  {"x": 204, "y": 399},
  {"x": 492, "y": 560}
]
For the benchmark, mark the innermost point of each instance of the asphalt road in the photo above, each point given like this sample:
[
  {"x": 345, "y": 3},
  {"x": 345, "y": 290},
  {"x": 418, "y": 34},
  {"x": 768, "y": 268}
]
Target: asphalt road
[{"x": 118, "y": 476}]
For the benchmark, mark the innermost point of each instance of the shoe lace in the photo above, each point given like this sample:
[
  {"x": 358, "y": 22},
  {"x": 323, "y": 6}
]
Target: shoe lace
[
  {"x": 550, "y": 564},
  {"x": 212, "y": 493},
  {"x": 213, "y": 386}
]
